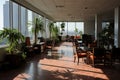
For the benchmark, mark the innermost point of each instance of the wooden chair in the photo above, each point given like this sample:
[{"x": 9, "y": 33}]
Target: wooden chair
[
  {"x": 28, "y": 47},
  {"x": 90, "y": 58},
  {"x": 79, "y": 53},
  {"x": 27, "y": 41},
  {"x": 115, "y": 55},
  {"x": 99, "y": 55},
  {"x": 49, "y": 45}
]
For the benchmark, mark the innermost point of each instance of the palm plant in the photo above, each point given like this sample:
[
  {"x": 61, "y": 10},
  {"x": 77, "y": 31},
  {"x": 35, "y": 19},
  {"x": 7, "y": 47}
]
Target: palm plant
[
  {"x": 76, "y": 31},
  {"x": 39, "y": 27},
  {"x": 80, "y": 33},
  {"x": 55, "y": 32},
  {"x": 51, "y": 26},
  {"x": 13, "y": 37}
]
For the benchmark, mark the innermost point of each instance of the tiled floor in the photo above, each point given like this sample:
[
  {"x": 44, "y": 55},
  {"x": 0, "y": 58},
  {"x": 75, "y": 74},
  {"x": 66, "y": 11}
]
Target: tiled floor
[{"x": 59, "y": 65}]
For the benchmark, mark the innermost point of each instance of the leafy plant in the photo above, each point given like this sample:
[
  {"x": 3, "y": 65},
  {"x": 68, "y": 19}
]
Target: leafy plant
[
  {"x": 106, "y": 36},
  {"x": 62, "y": 26},
  {"x": 51, "y": 26},
  {"x": 13, "y": 37},
  {"x": 80, "y": 32},
  {"x": 76, "y": 30},
  {"x": 55, "y": 32},
  {"x": 38, "y": 27}
]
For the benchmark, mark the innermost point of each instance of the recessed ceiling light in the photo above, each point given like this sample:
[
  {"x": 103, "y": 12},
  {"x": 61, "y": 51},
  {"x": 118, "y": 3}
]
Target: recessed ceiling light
[
  {"x": 86, "y": 7},
  {"x": 59, "y": 6}
]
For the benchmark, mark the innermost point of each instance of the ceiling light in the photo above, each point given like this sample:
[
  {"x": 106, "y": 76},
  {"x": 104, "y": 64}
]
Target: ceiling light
[
  {"x": 59, "y": 6},
  {"x": 86, "y": 7}
]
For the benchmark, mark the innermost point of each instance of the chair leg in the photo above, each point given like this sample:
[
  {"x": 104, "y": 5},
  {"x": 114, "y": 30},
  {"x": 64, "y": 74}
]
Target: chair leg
[
  {"x": 78, "y": 61},
  {"x": 87, "y": 60},
  {"x": 93, "y": 64},
  {"x": 83, "y": 59},
  {"x": 74, "y": 58},
  {"x": 92, "y": 60}
]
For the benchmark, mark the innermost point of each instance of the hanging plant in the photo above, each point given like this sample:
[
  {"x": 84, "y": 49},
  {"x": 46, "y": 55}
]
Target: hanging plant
[
  {"x": 62, "y": 26},
  {"x": 61, "y": 33},
  {"x": 106, "y": 36}
]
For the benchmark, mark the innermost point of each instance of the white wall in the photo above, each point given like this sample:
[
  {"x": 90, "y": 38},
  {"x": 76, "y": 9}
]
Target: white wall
[{"x": 89, "y": 27}]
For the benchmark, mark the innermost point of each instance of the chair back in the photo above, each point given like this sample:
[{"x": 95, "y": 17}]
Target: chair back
[
  {"x": 99, "y": 52},
  {"x": 115, "y": 53},
  {"x": 27, "y": 41}
]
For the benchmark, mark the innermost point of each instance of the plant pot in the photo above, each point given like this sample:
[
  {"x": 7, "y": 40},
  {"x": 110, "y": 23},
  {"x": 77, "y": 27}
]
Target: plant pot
[{"x": 14, "y": 60}]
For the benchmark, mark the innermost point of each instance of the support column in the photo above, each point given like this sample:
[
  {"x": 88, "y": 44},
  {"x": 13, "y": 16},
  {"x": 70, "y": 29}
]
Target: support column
[
  {"x": 26, "y": 22},
  {"x": 116, "y": 27},
  {"x": 19, "y": 18},
  {"x": 98, "y": 27},
  {"x": 44, "y": 24}
]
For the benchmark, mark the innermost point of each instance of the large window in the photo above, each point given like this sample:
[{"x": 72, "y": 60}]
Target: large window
[
  {"x": 70, "y": 28},
  {"x": 80, "y": 27}
]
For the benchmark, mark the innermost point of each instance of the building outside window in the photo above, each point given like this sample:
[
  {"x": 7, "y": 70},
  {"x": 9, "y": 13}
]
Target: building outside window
[
  {"x": 4, "y": 17},
  {"x": 30, "y": 24},
  {"x": 23, "y": 22},
  {"x": 15, "y": 16}
]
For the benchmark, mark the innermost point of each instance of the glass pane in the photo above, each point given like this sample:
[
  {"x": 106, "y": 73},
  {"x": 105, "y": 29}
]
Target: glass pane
[
  {"x": 4, "y": 17},
  {"x": 71, "y": 28},
  {"x": 30, "y": 24},
  {"x": 80, "y": 27},
  {"x": 24, "y": 30},
  {"x": 15, "y": 15}
]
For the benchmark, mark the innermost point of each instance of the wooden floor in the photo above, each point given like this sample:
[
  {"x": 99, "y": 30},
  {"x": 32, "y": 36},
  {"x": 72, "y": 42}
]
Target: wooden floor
[{"x": 59, "y": 65}]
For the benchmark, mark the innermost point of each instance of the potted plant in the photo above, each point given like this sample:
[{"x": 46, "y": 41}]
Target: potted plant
[
  {"x": 62, "y": 26},
  {"x": 51, "y": 25},
  {"x": 54, "y": 32},
  {"x": 39, "y": 27},
  {"x": 106, "y": 37},
  {"x": 14, "y": 38},
  {"x": 76, "y": 31}
]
